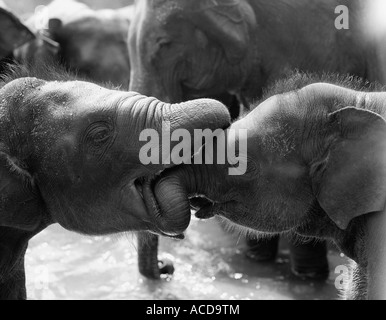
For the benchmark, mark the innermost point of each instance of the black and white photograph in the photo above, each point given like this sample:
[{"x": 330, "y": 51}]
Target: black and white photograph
[{"x": 208, "y": 151}]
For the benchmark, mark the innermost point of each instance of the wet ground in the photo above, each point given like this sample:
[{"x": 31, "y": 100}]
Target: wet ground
[{"x": 210, "y": 265}]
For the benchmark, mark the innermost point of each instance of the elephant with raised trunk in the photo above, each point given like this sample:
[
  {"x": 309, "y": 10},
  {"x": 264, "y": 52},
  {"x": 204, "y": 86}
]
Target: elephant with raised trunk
[
  {"x": 70, "y": 154},
  {"x": 316, "y": 167}
]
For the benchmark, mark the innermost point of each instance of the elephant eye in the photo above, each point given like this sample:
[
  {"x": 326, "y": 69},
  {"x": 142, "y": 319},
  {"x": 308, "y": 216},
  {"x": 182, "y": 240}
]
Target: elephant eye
[
  {"x": 101, "y": 137},
  {"x": 98, "y": 134},
  {"x": 164, "y": 42}
]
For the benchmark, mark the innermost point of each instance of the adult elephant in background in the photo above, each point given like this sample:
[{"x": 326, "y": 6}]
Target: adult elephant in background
[
  {"x": 70, "y": 154},
  {"x": 315, "y": 166},
  {"x": 182, "y": 49},
  {"x": 13, "y": 34},
  {"x": 92, "y": 43}
]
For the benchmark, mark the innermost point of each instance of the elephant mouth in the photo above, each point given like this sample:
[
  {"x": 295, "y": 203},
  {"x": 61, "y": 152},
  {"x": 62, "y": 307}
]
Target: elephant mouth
[{"x": 161, "y": 223}]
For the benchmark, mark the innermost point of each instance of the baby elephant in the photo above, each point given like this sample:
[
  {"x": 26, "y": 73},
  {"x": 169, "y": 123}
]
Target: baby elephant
[
  {"x": 70, "y": 154},
  {"x": 315, "y": 165}
]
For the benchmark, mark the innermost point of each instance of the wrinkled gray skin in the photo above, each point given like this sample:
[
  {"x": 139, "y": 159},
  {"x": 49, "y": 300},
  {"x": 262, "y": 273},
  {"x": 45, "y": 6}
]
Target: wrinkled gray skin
[
  {"x": 316, "y": 167},
  {"x": 92, "y": 43},
  {"x": 69, "y": 154}
]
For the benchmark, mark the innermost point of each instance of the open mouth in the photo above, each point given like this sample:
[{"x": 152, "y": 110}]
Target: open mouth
[{"x": 161, "y": 224}]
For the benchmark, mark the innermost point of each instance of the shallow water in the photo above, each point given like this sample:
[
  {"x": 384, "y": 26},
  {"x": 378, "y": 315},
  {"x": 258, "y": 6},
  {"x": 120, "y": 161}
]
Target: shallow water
[{"x": 210, "y": 264}]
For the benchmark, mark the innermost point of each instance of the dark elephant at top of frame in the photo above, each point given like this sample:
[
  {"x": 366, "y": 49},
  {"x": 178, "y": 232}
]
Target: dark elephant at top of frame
[
  {"x": 92, "y": 43},
  {"x": 315, "y": 166},
  {"x": 70, "y": 154},
  {"x": 182, "y": 49}
]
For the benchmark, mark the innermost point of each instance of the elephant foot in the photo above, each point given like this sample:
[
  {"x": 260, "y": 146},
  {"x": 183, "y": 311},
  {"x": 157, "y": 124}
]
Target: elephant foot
[
  {"x": 166, "y": 267},
  {"x": 262, "y": 250},
  {"x": 309, "y": 261},
  {"x": 318, "y": 275}
]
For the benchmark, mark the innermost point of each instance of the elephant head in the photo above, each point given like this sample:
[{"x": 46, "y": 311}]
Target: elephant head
[
  {"x": 187, "y": 49},
  {"x": 315, "y": 164},
  {"x": 13, "y": 33},
  {"x": 181, "y": 49},
  {"x": 70, "y": 153},
  {"x": 93, "y": 43}
]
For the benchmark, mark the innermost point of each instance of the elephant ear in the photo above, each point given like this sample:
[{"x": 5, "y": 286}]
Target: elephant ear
[
  {"x": 353, "y": 179},
  {"x": 227, "y": 22},
  {"x": 20, "y": 205},
  {"x": 13, "y": 33}
]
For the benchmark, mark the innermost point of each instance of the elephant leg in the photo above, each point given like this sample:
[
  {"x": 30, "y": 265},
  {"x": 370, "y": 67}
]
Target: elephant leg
[
  {"x": 263, "y": 250},
  {"x": 14, "y": 287},
  {"x": 309, "y": 260},
  {"x": 13, "y": 245},
  {"x": 148, "y": 263}
]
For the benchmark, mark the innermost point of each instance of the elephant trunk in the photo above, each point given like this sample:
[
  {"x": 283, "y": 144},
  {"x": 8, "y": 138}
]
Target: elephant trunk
[
  {"x": 169, "y": 222},
  {"x": 195, "y": 114},
  {"x": 174, "y": 188},
  {"x": 171, "y": 192},
  {"x": 167, "y": 198}
]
